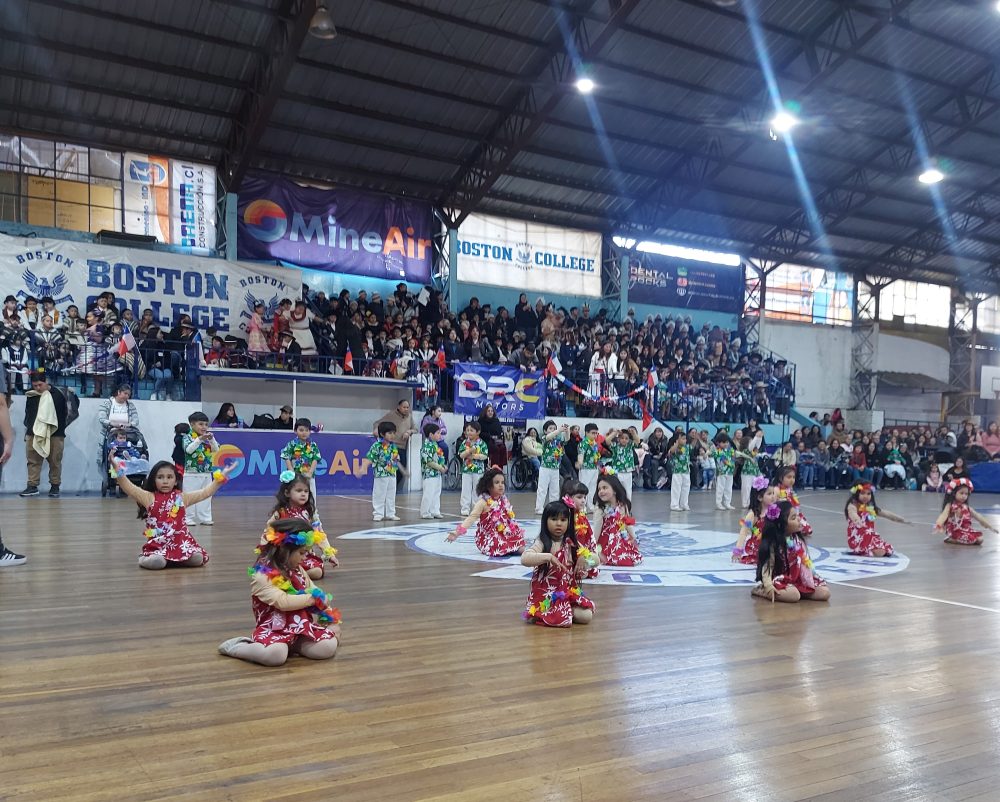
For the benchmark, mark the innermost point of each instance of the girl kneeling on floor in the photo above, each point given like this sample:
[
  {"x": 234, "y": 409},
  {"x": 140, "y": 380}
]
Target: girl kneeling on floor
[{"x": 784, "y": 570}]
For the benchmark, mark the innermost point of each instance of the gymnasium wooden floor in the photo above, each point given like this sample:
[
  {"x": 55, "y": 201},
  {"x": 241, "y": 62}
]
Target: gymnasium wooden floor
[{"x": 111, "y": 687}]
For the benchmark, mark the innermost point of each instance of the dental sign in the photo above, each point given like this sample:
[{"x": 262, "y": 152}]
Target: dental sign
[
  {"x": 529, "y": 256},
  {"x": 513, "y": 394}
]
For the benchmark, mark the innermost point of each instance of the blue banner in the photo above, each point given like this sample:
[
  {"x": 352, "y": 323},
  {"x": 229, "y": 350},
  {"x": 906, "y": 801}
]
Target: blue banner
[
  {"x": 343, "y": 468},
  {"x": 514, "y": 395},
  {"x": 340, "y": 230},
  {"x": 669, "y": 281}
]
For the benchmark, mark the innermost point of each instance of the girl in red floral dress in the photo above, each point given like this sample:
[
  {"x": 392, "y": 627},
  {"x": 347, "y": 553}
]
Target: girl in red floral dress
[
  {"x": 161, "y": 502},
  {"x": 784, "y": 568},
  {"x": 294, "y": 499},
  {"x": 786, "y": 492},
  {"x": 292, "y": 615},
  {"x": 555, "y": 598},
  {"x": 617, "y": 541},
  {"x": 497, "y": 533},
  {"x": 861, "y": 512},
  {"x": 956, "y": 515},
  {"x": 575, "y": 495},
  {"x": 763, "y": 494}
]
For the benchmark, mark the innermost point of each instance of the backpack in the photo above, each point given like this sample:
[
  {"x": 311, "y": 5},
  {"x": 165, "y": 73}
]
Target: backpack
[
  {"x": 264, "y": 421},
  {"x": 72, "y": 405}
]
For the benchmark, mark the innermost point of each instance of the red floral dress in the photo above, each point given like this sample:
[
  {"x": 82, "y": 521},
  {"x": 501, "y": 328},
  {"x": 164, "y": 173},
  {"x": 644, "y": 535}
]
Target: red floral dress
[
  {"x": 275, "y": 626},
  {"x": 166, "y": 530},
  {"x": 752, "y": 546},
  {"x": 585, "y": 537},
  {"x": 554, "y": 592},
  {"x": 310, "y": 561},
  {"x": 790, "y": 496},
  {"x": 959, "y": 527},
  {"x": 800, "y": 573},
  {"x": 616, "y": 547},
  {"x": 862, "y": 538},
  {"x": 497, "y": 533}
]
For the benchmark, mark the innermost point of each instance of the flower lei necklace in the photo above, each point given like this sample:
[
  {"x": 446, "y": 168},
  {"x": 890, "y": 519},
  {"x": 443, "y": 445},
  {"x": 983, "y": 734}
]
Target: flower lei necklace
[{"x": 321, "y": 606}]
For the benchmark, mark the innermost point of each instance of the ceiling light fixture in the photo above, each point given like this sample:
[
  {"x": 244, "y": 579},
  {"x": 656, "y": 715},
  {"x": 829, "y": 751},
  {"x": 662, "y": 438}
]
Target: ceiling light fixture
[
  {"x": 321, "y": 25},
  {"x": 932, "y": 175},
  {"x": 585, "y": 86},
  {"x": 784, "y": 121}
]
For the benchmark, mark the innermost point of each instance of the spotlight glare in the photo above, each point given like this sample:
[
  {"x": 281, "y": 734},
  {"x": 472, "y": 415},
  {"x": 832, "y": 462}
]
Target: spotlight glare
[
  {"x": 585, "y": 86},
  {"x": 784, "y": 122},
  {"x": 931, "y": 176}
]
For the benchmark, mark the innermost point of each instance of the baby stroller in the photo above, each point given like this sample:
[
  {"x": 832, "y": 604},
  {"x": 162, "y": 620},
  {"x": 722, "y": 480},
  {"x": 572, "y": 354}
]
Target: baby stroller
[{"x": 136, "y": 456}]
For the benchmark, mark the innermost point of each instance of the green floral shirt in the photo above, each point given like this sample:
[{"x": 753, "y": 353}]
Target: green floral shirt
[
  {"x": 680, "y": 460},
  {"x": 590, "y": 454},
  {"x": 384, "y": 457},
  {"x": 474, "y": 465},
  {"x": 200, "y": 460},
  {"x": 301, "y": 455},
  {"x": 622, "y": 457},
  {"x": 552, "y": 452},
  {"x": 750, "y": 466},
  {"x": 725, "y": 461},
  {"x": 431, "y": 454}
]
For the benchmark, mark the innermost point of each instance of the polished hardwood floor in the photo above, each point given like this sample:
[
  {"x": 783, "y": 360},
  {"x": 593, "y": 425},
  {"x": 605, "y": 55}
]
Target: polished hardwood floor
[{"x": 111, "y": 687}]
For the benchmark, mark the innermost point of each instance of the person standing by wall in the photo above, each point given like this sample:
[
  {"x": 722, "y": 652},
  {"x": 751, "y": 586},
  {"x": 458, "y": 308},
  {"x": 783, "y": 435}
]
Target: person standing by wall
[{"x": 45, "y": 433}]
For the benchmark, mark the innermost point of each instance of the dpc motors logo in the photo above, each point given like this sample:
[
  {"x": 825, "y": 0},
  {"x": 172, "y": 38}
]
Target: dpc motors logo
[{"x": 674, "y": 555}]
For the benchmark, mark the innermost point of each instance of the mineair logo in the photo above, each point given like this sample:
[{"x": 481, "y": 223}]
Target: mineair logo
[{"x": 265, "y": 220}]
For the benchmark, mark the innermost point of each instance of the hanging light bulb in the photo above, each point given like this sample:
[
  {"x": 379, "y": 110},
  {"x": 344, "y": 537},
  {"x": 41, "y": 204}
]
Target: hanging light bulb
[{"x": 321, "y": 25}]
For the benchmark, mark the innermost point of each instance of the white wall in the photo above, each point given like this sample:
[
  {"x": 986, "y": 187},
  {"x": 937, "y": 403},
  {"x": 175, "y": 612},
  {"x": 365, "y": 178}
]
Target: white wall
[
  {"x": 822, "y": 357},
  {"x": 906, "y": 355}
]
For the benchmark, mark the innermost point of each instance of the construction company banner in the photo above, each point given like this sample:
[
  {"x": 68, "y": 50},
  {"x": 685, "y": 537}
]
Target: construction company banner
[
  {"x": 342, "y": 469},
  {"x": 171, "y": 200},
  {"x": 213, "y": 291},
  {"x": 192, "y": 205},
  {"x": 529, "y": 256},
  {"x": 669, "y": 281},
  {"x": 514, "y": 395},
  {"x": 340, "y": 230}
]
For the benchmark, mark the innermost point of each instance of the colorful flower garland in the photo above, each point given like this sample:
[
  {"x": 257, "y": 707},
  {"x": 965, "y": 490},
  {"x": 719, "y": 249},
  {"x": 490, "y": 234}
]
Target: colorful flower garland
[{"x": 321, "y": 607}]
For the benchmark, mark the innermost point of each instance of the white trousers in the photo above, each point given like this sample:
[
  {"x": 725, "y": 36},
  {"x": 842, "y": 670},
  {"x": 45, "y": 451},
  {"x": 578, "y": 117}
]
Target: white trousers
[
  {"x": 430, "y": 501},
  {"x": 746, "y": 485},
  {"x": 469, "y": 482},
  {"x": 625, "y": 477},
  {"x": 589, "y": 477},
  {"x": 680, "y": 489},
  {"x": 724, "y": 490},
  {"x": 548, "y": 488},
  {"x": 384, "y": 497},
  {"x": 201, "y": 512}
]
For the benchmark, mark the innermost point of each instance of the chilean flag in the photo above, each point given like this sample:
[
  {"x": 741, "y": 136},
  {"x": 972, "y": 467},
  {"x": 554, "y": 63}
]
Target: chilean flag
[
  {"x": 348, "y": 361},
  {"x": 651, "y": 379},
  {"x": 441, "y": 359},
  {"x": 126, "y": 344},
  {"x": 647, "y": 418},
  {"x": 554, "y": 367}
]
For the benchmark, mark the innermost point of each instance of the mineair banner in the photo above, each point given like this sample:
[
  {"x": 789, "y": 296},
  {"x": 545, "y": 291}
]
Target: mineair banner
[
  {"x": 171, "y": 200},
  {"x": 340, "y": 230},
  {"x": 668, "y": 281},
  {"x": 529, "y": 256},
  {"x": 213, "y": 291},
  {"x": 513, "y": 394}
]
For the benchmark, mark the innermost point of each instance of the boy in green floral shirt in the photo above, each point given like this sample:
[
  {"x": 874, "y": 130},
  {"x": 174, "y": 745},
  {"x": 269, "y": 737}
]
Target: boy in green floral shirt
[
  {"x": 199, "y": 446},
  {"x": 474, "y": 454},
  {"x": 588, "y": 462},
  {"x": 725, "y": 467},
  {"x": 432, "y": 468},
  {"x": 302, "y": 455},
  {"x": 384, "y": 458},
  {"x": 622, "y": 457},
  {"x": 679, "y": 455},
  {"x": 553, "y": 449}
]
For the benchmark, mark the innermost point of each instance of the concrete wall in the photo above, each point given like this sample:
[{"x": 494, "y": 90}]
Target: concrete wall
[{"x": 822, "y": 355}]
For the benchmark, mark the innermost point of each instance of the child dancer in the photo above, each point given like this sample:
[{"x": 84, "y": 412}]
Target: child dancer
[
  {"x": 575, "y": 496},
  {"x": 725, "y": 467},
  {"x": 474, "y": 454},
  {"x": 679, "y": 454},
  {"x": 295, "y": 501},
  {"x": 622, "y": 457},
  {"x": 861, "y": 512},
  {"x": 751, "y": 468},
  {"x": 497, "y": 533},
  {"x": 161, "y": 502},
  {"x": 292, "y": 614},
  {"x": 956, "y": 515},
  {"x": 553, "y": 448},
  {"x": 588, "y": 462},
  {"x": 555, "y": 598},
  {"x": 433, "y": 466},
  {"x": 301, "y": 454},
  {"x": 617, "y": 542},
  {"x": 384, "y": 457},
  {"x": 762, "y": 495},
  {"x": 199, "y": 445},
  {"x": 784, "y": 569},
  {"x": 785, "y": 478}
]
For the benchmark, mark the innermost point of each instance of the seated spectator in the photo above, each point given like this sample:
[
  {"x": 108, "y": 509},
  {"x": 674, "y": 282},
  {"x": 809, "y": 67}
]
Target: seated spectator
[
  {"x": 933, "y": 482},
  {"x": 227, "y": 418},
  {"x": 990, "y": 440}
]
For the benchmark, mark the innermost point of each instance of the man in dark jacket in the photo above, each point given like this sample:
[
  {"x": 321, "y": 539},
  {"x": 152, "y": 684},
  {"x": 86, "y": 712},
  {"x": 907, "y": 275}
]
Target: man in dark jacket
[{"x": 45, "y": 433}]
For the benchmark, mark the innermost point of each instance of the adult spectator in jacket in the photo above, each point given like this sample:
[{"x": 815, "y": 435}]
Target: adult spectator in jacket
[
  {"x": 118, "y": 411},
  {"x": 45, "y": 414}
]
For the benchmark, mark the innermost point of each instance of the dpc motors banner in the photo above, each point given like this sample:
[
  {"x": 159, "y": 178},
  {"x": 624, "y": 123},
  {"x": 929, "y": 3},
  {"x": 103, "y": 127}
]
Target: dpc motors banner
[
  {"x": 529, "y": 256},
  {"x": 213, "y": 291}
]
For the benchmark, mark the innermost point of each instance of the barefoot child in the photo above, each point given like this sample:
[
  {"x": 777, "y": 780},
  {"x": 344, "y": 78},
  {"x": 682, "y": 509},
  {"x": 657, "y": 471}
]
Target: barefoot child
[
  {"x": 497, "y": 533},
  {"x": 294, "y": 501},
  {"x": 575, "y": 496},
  {"x": 762, "y": 495},
  {"x": 786, "y": 492},
  {"x": 784, "y": 569},
  {"x": 956, "y": 515},
  {"x": 861, "y": 512},
  {"x": 617, "y": 542}
]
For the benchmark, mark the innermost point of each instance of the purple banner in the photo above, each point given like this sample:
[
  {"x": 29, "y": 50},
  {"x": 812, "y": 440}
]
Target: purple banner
[
  {"x": 343, "y": 468},
  {"x": 340, "y": 230}
]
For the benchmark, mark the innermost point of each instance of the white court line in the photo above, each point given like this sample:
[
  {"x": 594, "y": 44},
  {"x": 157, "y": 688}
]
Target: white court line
[{"x": 913, "y": 596}]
